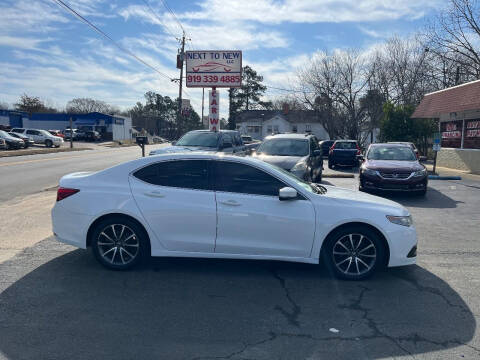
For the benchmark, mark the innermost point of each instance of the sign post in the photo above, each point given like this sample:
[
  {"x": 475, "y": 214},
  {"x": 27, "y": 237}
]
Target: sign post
[
  {"x": 437, "y": 145},
  {"x": 214, "y": 69}
]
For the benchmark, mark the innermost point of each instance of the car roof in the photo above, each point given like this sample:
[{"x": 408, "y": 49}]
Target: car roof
[
  {"x": 345, "y": 140},
  {"x": 391, "y": 144},
  {"x": 290, "y": 136},
  {"x": 219, "y": 131}
]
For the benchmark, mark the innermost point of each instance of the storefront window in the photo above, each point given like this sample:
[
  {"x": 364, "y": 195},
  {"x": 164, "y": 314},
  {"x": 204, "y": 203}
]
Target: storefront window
[
  {"x": 451, "y": 134},
  {"x": 471, "y": 138}
]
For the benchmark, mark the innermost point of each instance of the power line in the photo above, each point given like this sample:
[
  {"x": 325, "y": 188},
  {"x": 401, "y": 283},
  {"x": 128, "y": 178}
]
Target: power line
[
  {"x": 174, "y": 16},
  {"x": 289, "y": 90},
  {"x": 98, "y": 30},
  {"x": 158, "y": 18}
]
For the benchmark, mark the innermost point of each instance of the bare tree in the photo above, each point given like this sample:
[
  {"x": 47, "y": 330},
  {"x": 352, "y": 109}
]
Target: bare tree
[
  {"x": 32, "y": 104},
  {"x": 332, "y": 85},
  {"x": 455, "y": 37},
  {"x": 88, "y": 105}
]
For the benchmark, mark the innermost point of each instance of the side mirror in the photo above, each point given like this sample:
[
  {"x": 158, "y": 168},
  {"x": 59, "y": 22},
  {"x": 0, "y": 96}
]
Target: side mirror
[
  {"x": 287, "y": 193},
  {"x": 360, "y": 158},
  {"x": 317, "y": 152},
  {"x": 174, "y": 143},
  {"x": 422, "y": 159}
]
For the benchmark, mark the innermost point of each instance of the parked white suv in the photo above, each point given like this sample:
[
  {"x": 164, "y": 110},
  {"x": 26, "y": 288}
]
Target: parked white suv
[{"x": 40, "y": 136}]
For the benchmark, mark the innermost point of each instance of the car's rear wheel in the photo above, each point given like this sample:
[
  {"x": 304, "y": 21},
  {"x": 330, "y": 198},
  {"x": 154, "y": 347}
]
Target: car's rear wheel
[
  {"x": 354, "y": 253},
  {"x": 119, "y": 243},
  {"x": 48, "y": 143},
  {"x": 330, "y": 164}
]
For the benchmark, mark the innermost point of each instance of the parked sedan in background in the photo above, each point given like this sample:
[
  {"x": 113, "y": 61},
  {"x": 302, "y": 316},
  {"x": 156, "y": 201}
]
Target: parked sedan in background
[
  {"x": 10, "y": 141},
  {"x": 26, "y": 140},
  {"x": 220, "y": 206},
  {"x": 344, "y": 152},
  {"x": 297, "y": 153},
  {"x": 56, "y": 133},
  {"x": 225, "y": 141},
  {"x": 40, "y": 136},
  {"x": 91, "y": 135},
  {"x": 325, "y": 146},
  {"x": 412, "y": 145},
  {"x": 392, "y": 167}
]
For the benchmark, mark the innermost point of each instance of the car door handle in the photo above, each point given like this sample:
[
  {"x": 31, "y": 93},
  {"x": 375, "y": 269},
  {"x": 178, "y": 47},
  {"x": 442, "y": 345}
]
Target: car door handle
[
  {"x": 156, "y": 194},
  {"x": 230, "y": 203}
]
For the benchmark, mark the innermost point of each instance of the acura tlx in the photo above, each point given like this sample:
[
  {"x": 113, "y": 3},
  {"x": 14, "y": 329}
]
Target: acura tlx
[{"x": 217, "y": 206}]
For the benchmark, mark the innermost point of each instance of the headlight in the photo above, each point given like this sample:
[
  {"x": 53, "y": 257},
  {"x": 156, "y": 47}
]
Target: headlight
[
  {"x": 401, "y": 220},
  {"x": 419, "y": 173},
  {"x": 299, "y": 167},
  {"x": 368, "y": 171}
]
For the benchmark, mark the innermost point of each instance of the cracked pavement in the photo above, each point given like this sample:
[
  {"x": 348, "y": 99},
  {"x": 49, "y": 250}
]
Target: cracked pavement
[{"x": 56, "y": 302}]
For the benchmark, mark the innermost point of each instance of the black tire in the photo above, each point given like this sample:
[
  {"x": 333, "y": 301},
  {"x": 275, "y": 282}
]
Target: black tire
[
  {"x": 330, "y": 165},
  {"x": 423, "y": 192},
  {"x": 129, "y": 250},
  {"x": 48, "y": 143},
  {"x": 340, "y": 265}
]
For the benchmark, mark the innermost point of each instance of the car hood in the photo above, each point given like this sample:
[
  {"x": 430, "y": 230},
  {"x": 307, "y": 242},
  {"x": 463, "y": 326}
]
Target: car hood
[
  {"x": 285, "y": 162},
  {"x": 180, "y": 149},
  {"x": 391, "y": 165},
  {"x": 361, "y": 199}
]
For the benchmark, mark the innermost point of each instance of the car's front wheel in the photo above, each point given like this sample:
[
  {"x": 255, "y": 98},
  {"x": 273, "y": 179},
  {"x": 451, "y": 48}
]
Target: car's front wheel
[
  {"x": 119, "y": 243},
  {"x": 48, "y": 143},
  {"x": 354, "y": 253}
]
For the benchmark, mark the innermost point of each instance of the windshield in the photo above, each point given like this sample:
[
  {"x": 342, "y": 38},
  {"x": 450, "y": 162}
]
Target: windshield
[
  {"x": 203, "y": 139},
  {"x": 284, "y": 147},
  {"x": 45, "y": 132},
  {"x": 4, "y": 134},
  {"x": 400, "y": 153}
]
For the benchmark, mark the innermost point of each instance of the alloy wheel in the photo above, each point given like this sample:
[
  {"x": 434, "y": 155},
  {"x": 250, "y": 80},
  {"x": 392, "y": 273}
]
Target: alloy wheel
[
  {"x": 118, "y": 244},
  {"x": 354, "y": 254}
]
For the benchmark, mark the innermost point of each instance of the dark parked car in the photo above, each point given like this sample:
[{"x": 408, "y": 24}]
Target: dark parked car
[
  {"x": 344, "y": 152},
  {"x": 26, "y": 140},
  {"x": 325, "y": 146},
  {"x": 227, "y": 141},
  {"x": 296, "y": 153},
  {"x": 3, "y": 144},
  {"x": 392, "y": 167},
  {"x": 92, "y": 136},
  {"x": 10, "y": 141}
]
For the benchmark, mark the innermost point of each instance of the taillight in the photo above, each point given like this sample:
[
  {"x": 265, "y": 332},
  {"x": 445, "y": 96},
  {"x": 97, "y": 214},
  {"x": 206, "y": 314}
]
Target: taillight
[
  {"x": 63, "y": 193},
  {"x": 359, "y": 152},
  {"x": 332, "y": 148}
]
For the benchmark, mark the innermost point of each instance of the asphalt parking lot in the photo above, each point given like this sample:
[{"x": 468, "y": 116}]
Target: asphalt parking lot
[{"x": 57, "y": 302}]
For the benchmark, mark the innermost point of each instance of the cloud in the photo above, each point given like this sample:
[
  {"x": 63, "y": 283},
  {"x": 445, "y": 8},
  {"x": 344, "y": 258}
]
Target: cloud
[{"x": 313, "y": 11}]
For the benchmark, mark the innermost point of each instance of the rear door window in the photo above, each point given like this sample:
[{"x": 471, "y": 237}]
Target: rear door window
[
  {"x": 33, "y": 132},
  {"x": 187, "y": 174},
  {"x": 345, "y": 145}
]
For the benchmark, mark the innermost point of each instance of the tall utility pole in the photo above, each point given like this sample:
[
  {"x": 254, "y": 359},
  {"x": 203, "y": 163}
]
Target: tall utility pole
[{"x": 182, "y": 58}]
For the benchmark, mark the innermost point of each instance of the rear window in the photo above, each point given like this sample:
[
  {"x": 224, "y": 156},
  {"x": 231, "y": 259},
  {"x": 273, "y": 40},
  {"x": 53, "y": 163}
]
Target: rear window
[{"x": 345, "y": 145}]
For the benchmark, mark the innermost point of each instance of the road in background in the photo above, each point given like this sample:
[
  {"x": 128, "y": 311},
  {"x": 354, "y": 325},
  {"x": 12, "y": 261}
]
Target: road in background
[{"x": 25, "y": 175}]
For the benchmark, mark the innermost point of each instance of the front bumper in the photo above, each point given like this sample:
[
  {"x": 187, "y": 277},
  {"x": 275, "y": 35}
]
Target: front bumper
[
  {"x": 402, "y": 242},
  {"x": 370, "y": 182}
]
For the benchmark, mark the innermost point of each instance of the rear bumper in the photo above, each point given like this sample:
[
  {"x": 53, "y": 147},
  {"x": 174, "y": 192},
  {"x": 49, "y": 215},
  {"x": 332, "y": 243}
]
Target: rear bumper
[{"x": 69, "y": 227}]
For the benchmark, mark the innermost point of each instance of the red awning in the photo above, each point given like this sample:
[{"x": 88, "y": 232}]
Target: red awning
[{"x": 455, "y": 99}]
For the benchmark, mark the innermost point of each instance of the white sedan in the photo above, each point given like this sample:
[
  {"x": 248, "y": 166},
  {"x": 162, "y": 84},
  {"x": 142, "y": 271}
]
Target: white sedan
[{"x": 216, "y": 206}]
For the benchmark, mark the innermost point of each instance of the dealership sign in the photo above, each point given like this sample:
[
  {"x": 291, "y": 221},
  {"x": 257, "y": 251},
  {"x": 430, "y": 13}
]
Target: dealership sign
[
  {"x": 213, "y": 116},
  {"x": 216, "y": 68}
]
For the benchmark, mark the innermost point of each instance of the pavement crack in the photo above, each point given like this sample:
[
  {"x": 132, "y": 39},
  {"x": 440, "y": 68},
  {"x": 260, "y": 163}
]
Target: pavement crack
[
  {"x": 356, "y": 305},
  {"x": 292, "y": 315}
]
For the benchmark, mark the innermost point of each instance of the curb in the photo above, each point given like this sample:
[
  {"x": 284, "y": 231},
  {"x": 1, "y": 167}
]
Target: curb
[
  {"x": 12, "y": 153},
  {"x": 340, "y": 176},
  {"x": 438, "y": 177}
]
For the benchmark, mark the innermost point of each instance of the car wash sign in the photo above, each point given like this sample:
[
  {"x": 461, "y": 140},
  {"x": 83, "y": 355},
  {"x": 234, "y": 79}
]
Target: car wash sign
[
  {"x": 213, "y": 116},
  {"x": 215, "y": 68}
]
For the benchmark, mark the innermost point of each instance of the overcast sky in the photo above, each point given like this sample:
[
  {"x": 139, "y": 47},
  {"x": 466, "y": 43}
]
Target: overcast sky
[{"x": 46, "y": 52}]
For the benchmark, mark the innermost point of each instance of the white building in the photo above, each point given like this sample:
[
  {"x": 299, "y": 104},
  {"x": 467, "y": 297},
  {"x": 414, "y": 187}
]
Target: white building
[{"x": 261, "y": 123}]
